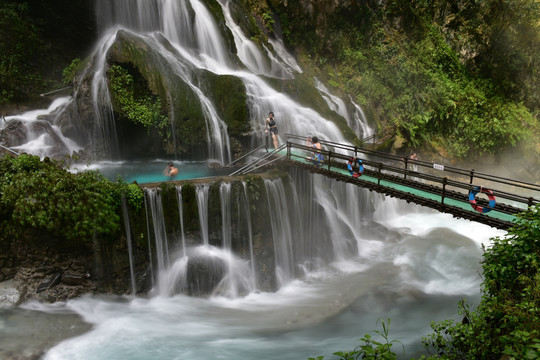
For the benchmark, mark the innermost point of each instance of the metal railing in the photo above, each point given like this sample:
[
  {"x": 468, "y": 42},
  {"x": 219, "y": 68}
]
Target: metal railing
[
  {"x": 246, "y": 155},
  {"x": 261, "y": 161},
  {"x": 446, "y": 181}
]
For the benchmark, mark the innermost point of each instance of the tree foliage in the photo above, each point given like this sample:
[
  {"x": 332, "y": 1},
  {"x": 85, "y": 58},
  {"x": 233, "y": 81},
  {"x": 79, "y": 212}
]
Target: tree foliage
[
  {"x": 139, "y": 105},
  {"x": 461, "y": 75},
  {"x": 43, "y": 196},
  {"x": 19, "y": 41},
  {"x": 507, "y": 320}
]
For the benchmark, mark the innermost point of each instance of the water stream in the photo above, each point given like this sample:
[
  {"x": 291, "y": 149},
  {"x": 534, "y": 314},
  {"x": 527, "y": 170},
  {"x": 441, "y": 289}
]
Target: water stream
[{"x": 380, "y": 258}]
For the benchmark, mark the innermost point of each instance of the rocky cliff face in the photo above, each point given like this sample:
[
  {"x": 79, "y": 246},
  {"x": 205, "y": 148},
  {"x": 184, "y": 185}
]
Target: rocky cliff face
[{"x": 43, "y": 268}]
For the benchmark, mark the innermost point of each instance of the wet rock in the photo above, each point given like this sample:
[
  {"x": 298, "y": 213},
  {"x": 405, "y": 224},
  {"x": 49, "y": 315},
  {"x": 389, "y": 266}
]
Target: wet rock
[
  {"x": 12, "y": 293},
  {"x": 74, "y": 278},
  {"x": 51, "y": 282},
  {"x": 204, "y": 274}
]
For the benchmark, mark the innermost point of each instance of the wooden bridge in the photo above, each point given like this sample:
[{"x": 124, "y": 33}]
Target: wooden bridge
[{"x": 468, "y": 194}]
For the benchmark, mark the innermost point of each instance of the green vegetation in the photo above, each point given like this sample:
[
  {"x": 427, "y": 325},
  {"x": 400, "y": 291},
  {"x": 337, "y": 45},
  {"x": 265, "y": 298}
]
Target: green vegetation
[
  {"x": 455, "y": 77},
  {"x": 16, "y": 75},
  {"x": 71, "y": 70},
  {"x": 44, "y": 197},
  {"x": 139, "y": 106},
  {"x": 507, "y": 321},
  {"x": 370, "y": 348},
  {"x": 37, "y": 40}
]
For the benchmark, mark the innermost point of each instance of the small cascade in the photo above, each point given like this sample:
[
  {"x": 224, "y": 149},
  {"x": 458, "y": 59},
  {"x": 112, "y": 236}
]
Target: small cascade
[
  {"x": 281, "y": 231},
  {"x": 181, "y": 216},
  {"x": 226, "y": 210},
  {"x": 127, "y": 226},
  {"x": 150, "y": 257},
  {"x": 360, "y": 124},
  {"x": 37, "y": 132},
  {"x": 250, "y": 54},
  {"x": 247, "y": 216},
  {"x": 160, "y": 233},
  {"x": 358, "y": 121},
  {"x": 202, "y": 202}
]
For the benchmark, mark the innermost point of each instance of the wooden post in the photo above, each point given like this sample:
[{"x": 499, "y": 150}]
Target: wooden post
[
  {"x": 379, "y": 174},
  {"x": 406, "y": 163},
  {"x": 289, "y": 150},
  {"x": 444, "y": 182},
  {"x": 329, "y": 157},
  {"x": 472, "y": 176}
]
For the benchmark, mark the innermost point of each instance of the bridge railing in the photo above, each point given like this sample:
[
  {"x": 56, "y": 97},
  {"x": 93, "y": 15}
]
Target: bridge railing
[{"x": 447, "y": 181}]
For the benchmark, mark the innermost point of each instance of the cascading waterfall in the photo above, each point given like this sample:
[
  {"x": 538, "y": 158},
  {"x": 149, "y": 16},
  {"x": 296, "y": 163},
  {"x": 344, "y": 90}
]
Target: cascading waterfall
[
  {"x": 181, "y": 216},
  {"x": 160, "y": 233},
  {"x": 410, "y": 264},
  {"x": 357, "y": 122},
  {"x": 246, "y": 214},
  {"x": 42, "y": 135},
  {"x": 360, "y": 125},
  {"x": 281, "y": 230},
  {"x": 182, "y": 38},
  {"x": 198, "y": 42},
  {"x": 127, "y": 226},
  {"x": 225, "y": 197},
  {"x": 202, "y": 202}
]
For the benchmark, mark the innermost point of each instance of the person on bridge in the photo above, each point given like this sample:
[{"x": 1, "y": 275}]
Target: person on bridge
[
  {"x": 170, "y": 170},
  {"x": 317, "y": 157},
  {"x": 271, "y": 127}
]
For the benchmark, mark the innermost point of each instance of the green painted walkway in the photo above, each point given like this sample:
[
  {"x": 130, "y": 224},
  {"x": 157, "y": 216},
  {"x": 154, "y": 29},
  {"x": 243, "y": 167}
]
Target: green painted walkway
[{"x": 464, "y": 205}]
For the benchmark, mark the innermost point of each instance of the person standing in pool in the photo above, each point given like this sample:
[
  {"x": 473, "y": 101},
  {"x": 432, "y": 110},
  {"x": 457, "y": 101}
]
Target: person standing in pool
[
  {"x": 272, "y": 127},
  {"x": 170, "y": 170}
]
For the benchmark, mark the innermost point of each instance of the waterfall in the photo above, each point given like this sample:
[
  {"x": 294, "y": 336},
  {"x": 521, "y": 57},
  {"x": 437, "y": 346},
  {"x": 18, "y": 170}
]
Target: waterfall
[
  {"x": 181, "y": 216},
  {"x": 150, "y": 257},
  {"x": 160, "y": 233},
  {"x": 281, "y": 230},
  {"x": 37, "y": 132},
  {"x": 184, "y": 42},
  {"x": 202, "y": 204},
  {"x": 225, "y": 197},
  {"x": 357, "y": 122},
  {"x": 130, "y": 246},
  {"x": 247, "y": 216},
  {"x": 197, "y": 43}
]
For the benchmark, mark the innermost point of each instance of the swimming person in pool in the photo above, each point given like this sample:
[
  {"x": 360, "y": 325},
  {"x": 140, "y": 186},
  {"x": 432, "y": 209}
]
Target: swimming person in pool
[{"x": 170, "y": 170}]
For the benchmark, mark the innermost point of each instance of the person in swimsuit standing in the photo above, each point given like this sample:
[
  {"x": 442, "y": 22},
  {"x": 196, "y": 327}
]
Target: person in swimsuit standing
[
  {"x": 272, "y": 127},
  {"x": 317, "y": 157}
]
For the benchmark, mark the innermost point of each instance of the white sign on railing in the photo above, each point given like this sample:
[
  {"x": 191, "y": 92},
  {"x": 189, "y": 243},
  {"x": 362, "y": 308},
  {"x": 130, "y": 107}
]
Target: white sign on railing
[{"x": 438, "y": 167}]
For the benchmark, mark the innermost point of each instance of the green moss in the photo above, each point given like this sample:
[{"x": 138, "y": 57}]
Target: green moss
[
  {"x": 169, "y": 201},
  {"x": 135, "y": 100},
  {"x": 214, "y": 214},
  {"x": 41, "y": 196},
  {"x": 190, "y": 208},
  {"x": 229, "y": 95}
]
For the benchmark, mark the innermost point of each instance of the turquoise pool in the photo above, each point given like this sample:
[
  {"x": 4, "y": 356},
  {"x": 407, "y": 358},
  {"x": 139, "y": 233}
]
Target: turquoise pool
[{"x": 152, "y": 171}]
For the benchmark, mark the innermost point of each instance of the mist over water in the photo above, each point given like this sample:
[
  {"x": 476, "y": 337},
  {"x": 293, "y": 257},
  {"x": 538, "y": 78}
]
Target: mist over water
[{"x": 410, "y": 264}]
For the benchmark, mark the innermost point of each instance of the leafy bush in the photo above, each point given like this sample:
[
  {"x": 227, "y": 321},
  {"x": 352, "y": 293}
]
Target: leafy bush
[
  {"x": 42, "y": 196},
  {"x": 140, "y": 108},
  {"x": 370, "y": 349},
  {"x": 507, "y": 320}
]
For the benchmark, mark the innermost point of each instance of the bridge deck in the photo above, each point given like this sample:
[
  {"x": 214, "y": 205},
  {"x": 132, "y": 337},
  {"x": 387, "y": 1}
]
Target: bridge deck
[{"x": 385, "y": 174}]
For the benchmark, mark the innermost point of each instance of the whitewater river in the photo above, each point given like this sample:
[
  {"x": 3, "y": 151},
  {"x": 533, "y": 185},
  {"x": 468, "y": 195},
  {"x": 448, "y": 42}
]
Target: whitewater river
[{"x": 416, "y": 274}]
